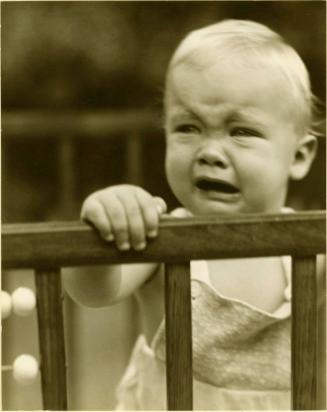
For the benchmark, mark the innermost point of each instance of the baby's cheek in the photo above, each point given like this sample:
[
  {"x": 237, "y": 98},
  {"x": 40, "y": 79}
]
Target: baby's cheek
[
  {"x": 173, "y": 171},
  {"x": 179, "y": 176},
  {"x": 178, "y": 158},
  {"x": 255, "y": 163},
  {"x": 255, "y": 178},
  {"x": 265, "y": 192}
]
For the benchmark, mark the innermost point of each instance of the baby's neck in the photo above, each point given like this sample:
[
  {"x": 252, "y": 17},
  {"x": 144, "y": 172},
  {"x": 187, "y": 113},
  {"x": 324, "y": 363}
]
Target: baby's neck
[{"x": 260, "y": 282}]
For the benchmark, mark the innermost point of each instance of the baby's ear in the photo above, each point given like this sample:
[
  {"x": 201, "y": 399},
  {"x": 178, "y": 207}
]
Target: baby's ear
[{"x": 303, "y": 157}]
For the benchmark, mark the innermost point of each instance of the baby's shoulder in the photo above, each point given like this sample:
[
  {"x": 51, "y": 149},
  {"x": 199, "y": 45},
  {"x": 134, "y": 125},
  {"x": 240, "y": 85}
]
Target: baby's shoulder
[{"x": 180, "y": 212}]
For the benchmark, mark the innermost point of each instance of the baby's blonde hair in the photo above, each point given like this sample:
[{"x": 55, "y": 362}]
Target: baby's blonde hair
[{"x": 205, "y": 46}]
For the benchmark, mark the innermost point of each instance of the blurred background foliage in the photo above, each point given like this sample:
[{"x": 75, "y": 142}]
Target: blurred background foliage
[{"x": 59, "y": 55}]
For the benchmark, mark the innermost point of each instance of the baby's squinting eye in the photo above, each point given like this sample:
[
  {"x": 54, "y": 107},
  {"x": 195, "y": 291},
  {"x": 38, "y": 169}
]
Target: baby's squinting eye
[
  {"x": 187, "y": 128},
  {"x": 244, "y": 132}
]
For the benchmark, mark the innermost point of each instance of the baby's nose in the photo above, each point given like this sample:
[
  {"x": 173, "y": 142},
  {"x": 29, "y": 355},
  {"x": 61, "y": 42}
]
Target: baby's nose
[{"x": 211, "y": 156}]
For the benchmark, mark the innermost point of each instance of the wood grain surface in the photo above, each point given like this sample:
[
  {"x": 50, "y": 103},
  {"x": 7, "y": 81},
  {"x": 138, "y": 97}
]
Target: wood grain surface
[
  {"x": 51, "y": 339},
  {"x": 304, "y": 333},
  {"x": 76, "y": 243},
  {"x": 178, "y": 337}
]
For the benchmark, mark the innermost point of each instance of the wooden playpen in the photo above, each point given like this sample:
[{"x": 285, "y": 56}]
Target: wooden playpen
[{"x": 46, "y": 247}]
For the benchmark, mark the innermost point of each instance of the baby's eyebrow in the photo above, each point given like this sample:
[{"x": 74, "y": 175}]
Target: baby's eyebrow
[
  {"x": 182, "y": 114},
  {"x": 241, "y": 115}
]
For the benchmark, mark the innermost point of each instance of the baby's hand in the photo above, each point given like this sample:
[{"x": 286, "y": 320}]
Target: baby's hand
[{"x": 124, "y": 213}]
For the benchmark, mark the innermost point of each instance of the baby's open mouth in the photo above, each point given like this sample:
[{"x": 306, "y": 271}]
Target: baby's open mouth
[{"x": 215, "y": 185}]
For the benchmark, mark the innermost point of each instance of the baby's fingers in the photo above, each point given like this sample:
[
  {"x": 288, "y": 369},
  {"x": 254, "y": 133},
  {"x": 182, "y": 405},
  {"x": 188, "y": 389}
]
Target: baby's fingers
[
  {"x": 116, "y": 215},
  {"x": 152, "y": 208},
  {"x": 93, "y": 212},
  {"x": 134, "y": 219},
  {"x": 161, "y": 205}
]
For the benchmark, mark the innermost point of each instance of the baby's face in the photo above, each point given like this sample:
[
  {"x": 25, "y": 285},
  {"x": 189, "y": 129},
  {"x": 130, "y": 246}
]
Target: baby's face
[{"x": 231, "y": 139}]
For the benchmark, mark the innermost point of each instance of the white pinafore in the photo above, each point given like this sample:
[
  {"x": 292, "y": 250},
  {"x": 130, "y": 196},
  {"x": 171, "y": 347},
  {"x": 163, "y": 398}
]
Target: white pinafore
[{"x": 241, "y": 354}]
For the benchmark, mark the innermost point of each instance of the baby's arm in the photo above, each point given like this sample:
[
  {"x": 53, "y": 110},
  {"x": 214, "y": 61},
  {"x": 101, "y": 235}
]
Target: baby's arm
[{"x": 127, "y": 215}]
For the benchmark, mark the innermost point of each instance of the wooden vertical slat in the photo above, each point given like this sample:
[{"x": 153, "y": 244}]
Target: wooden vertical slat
[
  {"x": 304, "y": 333},
  {"x": 178, "y": 336},
  {"x": 321, "y": 385},
  {"x": 51, "y": 339}
]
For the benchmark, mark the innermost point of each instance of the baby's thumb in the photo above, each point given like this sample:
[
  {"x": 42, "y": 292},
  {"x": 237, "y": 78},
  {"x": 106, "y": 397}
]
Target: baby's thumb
[{"x": 161, "y": 205}]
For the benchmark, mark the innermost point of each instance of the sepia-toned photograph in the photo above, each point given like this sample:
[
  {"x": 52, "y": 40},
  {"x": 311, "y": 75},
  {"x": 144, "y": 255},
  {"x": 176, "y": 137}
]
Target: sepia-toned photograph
[{"x": 163, "y": 179}]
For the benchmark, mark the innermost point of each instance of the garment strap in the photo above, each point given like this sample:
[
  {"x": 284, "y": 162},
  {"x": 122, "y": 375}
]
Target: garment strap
[{"x": 200, "y": 271}]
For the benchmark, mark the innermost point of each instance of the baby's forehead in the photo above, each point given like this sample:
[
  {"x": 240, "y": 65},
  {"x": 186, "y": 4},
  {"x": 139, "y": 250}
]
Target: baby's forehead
[
  {"x": 205, "y": 58},
  {"x": 205, "y": 50},
  {"x": 211, "y": 78},
  {"x": 223, "y": 99}
]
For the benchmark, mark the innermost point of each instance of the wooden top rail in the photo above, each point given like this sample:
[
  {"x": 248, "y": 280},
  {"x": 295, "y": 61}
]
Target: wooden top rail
[
  {"x": 76, "y": 243},
  {"x": 88, "y": 124}
]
